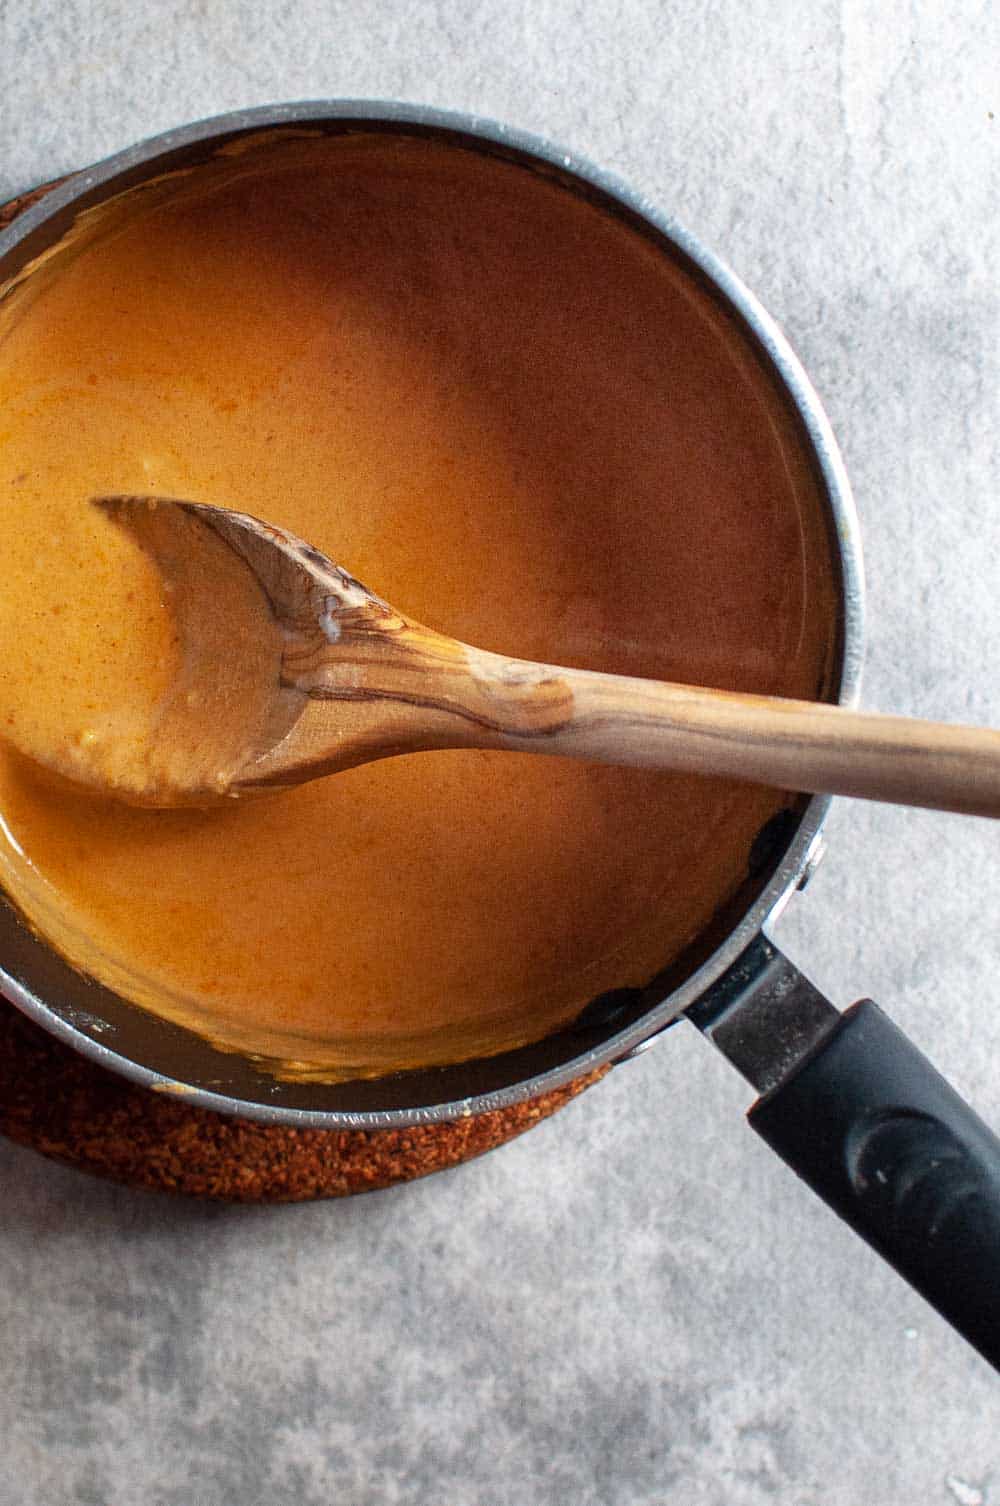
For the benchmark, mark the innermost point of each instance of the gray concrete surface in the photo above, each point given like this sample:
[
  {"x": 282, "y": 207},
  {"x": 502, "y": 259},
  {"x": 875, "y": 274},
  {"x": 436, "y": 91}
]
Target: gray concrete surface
[{"x": 635, "y": 1304}]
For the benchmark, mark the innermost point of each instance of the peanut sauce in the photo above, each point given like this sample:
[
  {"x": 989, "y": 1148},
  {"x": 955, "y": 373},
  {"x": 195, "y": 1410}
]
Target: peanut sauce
[{"x": 512, "y": 415}]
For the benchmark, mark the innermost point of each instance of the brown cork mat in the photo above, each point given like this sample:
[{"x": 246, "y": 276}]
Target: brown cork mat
[{"x": 77, "y": 1112}]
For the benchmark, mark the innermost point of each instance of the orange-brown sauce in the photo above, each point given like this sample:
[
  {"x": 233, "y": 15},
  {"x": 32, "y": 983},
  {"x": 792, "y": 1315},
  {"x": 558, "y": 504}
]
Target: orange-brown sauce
[{"x": 506, "y": 412}]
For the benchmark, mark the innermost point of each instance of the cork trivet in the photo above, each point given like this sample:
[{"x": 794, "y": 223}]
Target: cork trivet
[{"x": 79, "y": 1113}]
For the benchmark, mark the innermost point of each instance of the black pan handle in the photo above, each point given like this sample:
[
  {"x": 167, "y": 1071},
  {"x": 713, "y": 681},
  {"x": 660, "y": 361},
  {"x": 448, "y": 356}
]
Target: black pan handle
[{"x": 876, "y": 1131}]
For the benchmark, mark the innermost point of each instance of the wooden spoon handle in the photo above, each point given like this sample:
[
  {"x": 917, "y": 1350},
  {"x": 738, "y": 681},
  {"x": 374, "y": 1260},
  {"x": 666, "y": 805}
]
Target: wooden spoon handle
[{"x": 795, "y": 745}]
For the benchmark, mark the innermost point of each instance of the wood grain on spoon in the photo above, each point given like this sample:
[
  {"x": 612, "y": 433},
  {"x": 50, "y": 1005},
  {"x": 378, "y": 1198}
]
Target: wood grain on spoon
[{"x": 293, "y": 670}]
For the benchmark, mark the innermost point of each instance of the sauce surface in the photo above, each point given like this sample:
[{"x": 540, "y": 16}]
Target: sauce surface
[{"x": 508, "y": 413}]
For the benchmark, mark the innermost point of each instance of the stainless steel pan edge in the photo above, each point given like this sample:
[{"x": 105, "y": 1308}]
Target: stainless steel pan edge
[{"x": 102, "y": 1027}]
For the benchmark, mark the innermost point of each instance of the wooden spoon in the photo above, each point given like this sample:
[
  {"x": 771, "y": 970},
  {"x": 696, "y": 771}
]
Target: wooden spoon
[{"x": 340, "y": 677}]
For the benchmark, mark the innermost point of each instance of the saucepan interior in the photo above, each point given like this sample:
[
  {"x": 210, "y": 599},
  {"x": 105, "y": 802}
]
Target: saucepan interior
[{"x": 802, "y": 529}]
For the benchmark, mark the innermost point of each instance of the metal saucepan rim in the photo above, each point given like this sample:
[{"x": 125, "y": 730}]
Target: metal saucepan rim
[{"x": 798, "y": 387}]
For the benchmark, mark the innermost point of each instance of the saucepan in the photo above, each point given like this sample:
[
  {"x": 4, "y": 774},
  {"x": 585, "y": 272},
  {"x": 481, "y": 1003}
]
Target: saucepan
[{"x": 845, "y": 1099}]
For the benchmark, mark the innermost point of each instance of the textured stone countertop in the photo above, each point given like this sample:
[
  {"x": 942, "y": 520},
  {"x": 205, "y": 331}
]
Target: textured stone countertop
[{"x": 636, "y": 1302}]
